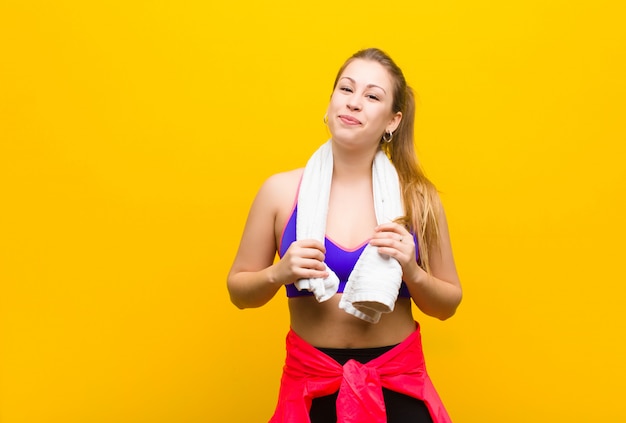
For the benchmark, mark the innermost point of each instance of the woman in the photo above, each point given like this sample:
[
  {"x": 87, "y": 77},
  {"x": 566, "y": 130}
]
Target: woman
[{"x": 340, "y": 365}]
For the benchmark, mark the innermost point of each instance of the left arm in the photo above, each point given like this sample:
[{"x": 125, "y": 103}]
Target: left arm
[{"x": 437, "y": 294}]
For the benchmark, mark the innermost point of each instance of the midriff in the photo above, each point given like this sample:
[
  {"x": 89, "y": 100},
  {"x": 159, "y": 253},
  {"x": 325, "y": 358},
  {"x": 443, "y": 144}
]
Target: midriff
[{"x": 326, "y": 325}]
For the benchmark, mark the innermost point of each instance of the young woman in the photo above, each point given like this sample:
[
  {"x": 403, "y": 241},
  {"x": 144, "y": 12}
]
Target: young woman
[{"x": 342, "y": 365}]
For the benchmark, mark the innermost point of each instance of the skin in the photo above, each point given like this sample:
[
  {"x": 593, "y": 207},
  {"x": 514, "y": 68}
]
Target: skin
[{"x": 359, "y": 113}]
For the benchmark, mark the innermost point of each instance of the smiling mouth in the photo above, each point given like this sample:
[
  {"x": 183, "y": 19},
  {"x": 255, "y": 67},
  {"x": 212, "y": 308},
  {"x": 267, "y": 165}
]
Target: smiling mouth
[{"x": 349, "y": 120}]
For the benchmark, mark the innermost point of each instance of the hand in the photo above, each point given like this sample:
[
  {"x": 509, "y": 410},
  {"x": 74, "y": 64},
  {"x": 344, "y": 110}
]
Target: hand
[
  {"x": 394, "y": 240},
  {"x": 303, "y": 259}
]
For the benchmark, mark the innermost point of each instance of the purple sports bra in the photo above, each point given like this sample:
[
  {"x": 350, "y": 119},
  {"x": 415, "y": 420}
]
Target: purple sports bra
[{"x": 339, "y": 260}]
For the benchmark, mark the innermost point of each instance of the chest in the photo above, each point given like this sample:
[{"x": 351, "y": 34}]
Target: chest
[{"x": 351, "y": 218}]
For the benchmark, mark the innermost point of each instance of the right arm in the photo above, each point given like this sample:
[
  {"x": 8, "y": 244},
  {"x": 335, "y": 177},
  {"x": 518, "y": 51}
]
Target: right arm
[{"x": 254, "y": 278}]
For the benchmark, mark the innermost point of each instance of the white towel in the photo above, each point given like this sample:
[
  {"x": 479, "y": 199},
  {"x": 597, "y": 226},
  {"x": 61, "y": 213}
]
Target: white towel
[{"x": 373, "y": 285}]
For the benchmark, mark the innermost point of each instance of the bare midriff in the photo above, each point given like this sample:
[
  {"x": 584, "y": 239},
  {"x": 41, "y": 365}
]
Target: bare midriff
[{"x": 326, "y": 325}]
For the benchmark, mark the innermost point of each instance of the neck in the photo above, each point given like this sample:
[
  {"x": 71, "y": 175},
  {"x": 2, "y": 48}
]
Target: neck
[{"x": 353, "y": 164}]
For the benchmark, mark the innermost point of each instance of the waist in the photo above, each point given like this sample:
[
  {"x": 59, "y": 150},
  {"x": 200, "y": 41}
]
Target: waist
[
  {"x": 325, "y": 325},
  {"x": 292, "y": 291},
  {"x": 362, "y": 355}
]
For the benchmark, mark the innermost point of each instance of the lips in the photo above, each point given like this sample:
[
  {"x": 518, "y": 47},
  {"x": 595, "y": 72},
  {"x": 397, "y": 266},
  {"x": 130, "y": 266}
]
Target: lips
[{"x": 349, "y": 120}]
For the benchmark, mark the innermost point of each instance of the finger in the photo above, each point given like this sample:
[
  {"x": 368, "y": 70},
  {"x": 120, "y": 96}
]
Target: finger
[
  {"x": 390, "y": 227},
  {"x": 312, "y": 264},
  {"x": 311, "y": 270},
  {"x": 300, "y": 249},
  {"x": 400, "y": 250},
  {"x": 312, "y": 274},
  {"x": 391, "y": 252},
  {"x": 387, "y": 239},
  {"x": 311, "y": 243},
  {"x": 393, "y": 230},
  {"x": 312, "y": 253}
]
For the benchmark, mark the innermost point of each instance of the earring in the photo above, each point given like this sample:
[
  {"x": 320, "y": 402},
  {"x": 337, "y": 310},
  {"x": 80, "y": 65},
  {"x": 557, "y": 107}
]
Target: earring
[
  {"x": 388, "y": 140},
  {"x": 326, "y": 119}
]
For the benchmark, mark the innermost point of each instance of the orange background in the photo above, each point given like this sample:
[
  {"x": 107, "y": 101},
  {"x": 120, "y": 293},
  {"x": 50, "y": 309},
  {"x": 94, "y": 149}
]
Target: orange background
[{"x": 134, "y": 136}]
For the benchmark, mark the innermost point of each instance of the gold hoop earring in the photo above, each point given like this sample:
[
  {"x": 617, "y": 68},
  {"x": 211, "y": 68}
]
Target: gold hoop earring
[
  {"x": 388, "y": 140},
  {"x": 326, "y": 119}
]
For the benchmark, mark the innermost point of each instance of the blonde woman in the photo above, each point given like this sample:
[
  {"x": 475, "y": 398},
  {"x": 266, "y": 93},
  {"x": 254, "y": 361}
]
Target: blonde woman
[{"x": 344, "y": 364}]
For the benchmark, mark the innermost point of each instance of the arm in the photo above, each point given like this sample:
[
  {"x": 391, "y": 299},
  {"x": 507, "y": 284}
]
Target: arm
[
  {"x": 254, "y": 278},
  {"x": 437, "y": 294}
]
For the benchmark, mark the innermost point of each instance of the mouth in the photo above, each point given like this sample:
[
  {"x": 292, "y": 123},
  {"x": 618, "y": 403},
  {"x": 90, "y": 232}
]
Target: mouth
[{"x": 349, "y": 120}]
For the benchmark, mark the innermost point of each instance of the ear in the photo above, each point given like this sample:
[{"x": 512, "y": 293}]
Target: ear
[{"x": 394, "y": 122}]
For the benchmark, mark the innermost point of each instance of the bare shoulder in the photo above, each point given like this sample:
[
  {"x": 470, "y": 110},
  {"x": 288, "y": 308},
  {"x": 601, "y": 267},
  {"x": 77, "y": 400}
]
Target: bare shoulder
[
  {"x": 285, "y": 179},
  {"x": 281, "y": 187},
  {"x": 438, "y": 206},
  {"x": 273, "y": 204}
]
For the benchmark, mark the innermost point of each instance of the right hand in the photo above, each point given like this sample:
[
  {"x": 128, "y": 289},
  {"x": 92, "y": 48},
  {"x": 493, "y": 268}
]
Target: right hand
[{"x": 303, "y": 259}]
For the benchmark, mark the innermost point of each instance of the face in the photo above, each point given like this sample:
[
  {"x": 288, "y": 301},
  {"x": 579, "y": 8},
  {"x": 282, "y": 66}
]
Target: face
[{"x": 360, "y": 109}]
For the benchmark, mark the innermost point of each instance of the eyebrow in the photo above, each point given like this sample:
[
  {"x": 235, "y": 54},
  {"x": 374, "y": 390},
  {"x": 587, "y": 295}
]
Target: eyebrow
[{"x": 368, "y": 85}]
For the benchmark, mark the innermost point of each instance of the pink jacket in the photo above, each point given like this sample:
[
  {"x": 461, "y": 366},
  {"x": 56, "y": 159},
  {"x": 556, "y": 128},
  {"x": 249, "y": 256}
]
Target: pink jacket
[{"x": 309, "y": 373}]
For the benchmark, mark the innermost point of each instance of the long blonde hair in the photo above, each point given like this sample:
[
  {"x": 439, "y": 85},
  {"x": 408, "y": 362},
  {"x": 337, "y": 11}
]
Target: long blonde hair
[{"x": 419, "y": 195}]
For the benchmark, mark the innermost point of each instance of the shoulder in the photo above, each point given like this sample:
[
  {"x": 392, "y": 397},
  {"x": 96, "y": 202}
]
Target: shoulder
[
  {"x": 280, "y": 188},
  {"x": 282, "y": 183},
  {"x": 430, "y": 196},
  {"x": 283, "y": 180},
  {"x": 275, "y": 200}
]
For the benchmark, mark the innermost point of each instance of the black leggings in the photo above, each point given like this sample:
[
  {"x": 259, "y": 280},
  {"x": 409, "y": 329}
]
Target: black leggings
[{"x": 400, "y": 408}]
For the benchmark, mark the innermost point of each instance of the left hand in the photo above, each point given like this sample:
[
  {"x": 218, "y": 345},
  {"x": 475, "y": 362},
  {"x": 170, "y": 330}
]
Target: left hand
[{"x": 394, "y": 240}]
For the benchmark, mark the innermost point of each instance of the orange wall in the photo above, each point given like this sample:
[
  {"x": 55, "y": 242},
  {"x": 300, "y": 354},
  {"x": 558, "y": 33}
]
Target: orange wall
[{"x": 134, "y": 135}]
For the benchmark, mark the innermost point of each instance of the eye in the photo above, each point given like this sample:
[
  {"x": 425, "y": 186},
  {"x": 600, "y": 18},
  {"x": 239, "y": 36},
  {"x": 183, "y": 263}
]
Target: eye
[
  {"x": 346, "y": 89},
  {"x": 373, "y": 97}
]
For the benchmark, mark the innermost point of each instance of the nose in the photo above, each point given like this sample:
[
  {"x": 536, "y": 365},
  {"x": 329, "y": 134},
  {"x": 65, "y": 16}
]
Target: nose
[{"x": 354, "y": 103}]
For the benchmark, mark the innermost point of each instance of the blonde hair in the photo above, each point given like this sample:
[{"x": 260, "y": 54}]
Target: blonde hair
[{"x": 419, "y": 195}]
